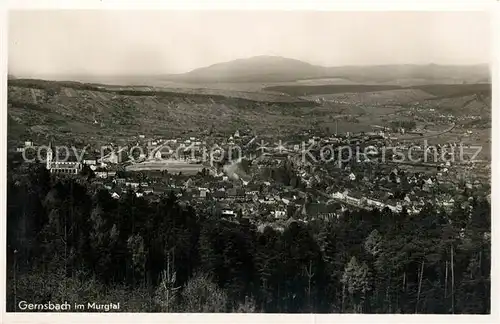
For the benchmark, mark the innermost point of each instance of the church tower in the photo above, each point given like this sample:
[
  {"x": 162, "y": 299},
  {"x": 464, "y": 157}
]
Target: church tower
[{"x": 50, "y": 156}]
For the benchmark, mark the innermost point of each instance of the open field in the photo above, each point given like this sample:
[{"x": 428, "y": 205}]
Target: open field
[
  {"x": 435, "y": 90},
  {"x": 173, "y": 166},
  {"x": 307, "y": 90},
  {"x": 382, "y": 97},
  {"x": 458, "y": 90}
]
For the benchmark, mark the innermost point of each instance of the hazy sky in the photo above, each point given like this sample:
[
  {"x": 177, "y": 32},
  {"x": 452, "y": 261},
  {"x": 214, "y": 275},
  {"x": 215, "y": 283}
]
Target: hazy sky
[{"x": 143, "y": 42}]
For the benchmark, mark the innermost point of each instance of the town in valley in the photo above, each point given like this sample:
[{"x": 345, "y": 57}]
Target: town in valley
[{"x": 344, "y": 170}]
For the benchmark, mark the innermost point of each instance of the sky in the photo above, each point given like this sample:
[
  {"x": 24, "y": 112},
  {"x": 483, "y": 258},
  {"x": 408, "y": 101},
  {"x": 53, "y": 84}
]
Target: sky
[{"x": 120, "y": 42}]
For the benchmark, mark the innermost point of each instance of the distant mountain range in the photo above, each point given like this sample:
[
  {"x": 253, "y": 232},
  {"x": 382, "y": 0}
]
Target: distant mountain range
[
  {"x": 276, "y": 69},
  {"x": 280, "y": 69}
]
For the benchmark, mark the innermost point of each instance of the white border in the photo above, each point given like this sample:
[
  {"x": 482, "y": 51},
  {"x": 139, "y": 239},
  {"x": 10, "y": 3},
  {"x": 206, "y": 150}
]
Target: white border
[
  {"x": 3, "y": 157},
  {"x": 337, "y": 5},
  {"x": 495, "y": 175},
  {"x": 349, "y": 5}
]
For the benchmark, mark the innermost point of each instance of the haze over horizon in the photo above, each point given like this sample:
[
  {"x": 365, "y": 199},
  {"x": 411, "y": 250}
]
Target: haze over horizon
[{"x": 89, "y": 42}]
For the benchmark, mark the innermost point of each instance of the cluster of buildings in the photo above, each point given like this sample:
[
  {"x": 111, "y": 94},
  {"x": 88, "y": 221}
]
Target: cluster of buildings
[{"x": 319, "y": 190}]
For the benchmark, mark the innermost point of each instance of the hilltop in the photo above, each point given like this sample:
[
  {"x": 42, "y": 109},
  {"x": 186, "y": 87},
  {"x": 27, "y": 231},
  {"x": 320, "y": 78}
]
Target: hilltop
[
  {"x": 280, "y": 69},
  {"x": 254, "y": 69}
]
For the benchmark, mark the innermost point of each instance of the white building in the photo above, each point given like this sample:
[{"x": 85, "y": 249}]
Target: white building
[
  {"x": 279, "y": 213},
  {"x": 61, "y": 167},
  {"x": 101, "y": 174},
  {"x": 132, "y": 184},
  {"x": 203, "y": 192},
  {"x": 228, "y": 212},
  {"x": 338, "y": 195},
  {"x": 352, "y": 200},
  {"x": 90, "y": 162}
]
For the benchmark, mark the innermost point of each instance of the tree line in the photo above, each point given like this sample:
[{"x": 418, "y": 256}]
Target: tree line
[{"x": 68, "y": 242}]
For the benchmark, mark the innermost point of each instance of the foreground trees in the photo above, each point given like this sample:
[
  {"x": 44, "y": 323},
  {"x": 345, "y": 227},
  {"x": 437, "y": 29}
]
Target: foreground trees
[{"x": 68, "y": 243}]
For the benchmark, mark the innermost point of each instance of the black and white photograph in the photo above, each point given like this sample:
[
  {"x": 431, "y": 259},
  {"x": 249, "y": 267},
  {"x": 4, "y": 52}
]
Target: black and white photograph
[{"x": 230, "y": 161}]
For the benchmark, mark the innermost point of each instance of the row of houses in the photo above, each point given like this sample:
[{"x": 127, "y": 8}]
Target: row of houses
[{"x": 373, "y": 203}]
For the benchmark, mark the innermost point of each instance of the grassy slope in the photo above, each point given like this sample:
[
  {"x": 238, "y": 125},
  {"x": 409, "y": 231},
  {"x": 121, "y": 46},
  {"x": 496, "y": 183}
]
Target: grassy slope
[{"x": 87, "y": 112}]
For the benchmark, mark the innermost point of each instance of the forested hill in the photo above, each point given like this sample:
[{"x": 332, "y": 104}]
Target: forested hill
[{"x": 70, "y": 242}]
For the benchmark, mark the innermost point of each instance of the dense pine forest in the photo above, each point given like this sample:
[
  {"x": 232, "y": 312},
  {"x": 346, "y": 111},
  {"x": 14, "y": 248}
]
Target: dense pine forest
[{"x": 69, "y": 241}]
